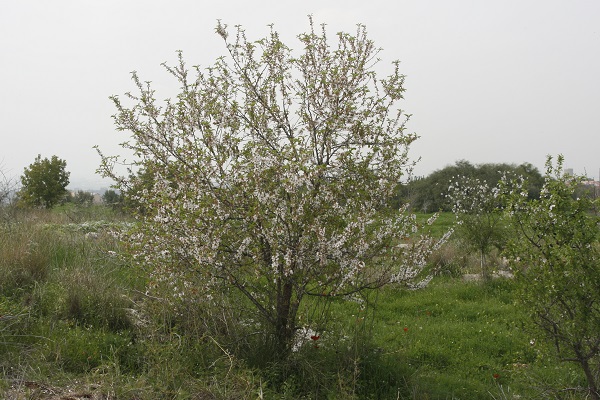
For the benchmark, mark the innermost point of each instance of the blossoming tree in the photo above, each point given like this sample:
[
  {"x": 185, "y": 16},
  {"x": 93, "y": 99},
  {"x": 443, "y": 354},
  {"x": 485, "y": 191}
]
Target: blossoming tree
[
  {"x": 555, "y": 253},
  {"x": 271, "y": 173},
  {"x": 475, "y": 203}
]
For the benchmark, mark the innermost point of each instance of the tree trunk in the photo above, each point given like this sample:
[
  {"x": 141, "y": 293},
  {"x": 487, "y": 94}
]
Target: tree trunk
[
  {"x": 284, "y": 319},
  {"x": 484, "y": 272},
  {"x": 592, "y": 384}
]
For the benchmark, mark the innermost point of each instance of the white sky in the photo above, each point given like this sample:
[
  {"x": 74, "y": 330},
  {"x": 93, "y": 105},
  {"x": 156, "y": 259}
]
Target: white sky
[{"x": 487, "y": 81}]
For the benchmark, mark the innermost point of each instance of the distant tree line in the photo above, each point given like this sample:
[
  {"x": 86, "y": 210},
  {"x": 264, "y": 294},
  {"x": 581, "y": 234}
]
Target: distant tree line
[
  {"x": 44, "y": 182},
  {"x": 428, "y": 194},
  {"x": 424, "y": 194}
]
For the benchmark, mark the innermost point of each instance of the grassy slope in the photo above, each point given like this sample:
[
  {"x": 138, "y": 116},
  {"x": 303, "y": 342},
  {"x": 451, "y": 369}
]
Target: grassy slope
[{"x": 450, "y": 340}]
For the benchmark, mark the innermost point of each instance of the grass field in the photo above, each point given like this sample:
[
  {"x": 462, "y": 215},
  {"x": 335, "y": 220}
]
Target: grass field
[{"x": 74, "y": 318}]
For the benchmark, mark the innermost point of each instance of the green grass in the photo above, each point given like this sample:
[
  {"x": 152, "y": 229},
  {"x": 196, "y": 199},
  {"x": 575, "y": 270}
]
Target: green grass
[
  {"x": 464, "y": 340},
  {"x": 71, "y": 311},
  {"x": 454, "y": 337},
  {"x": 452, "y": 340},
  {"x": 443, "y": 223}
]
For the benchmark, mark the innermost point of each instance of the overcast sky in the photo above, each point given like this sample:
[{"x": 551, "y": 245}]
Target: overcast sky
[{"x": 487, "y": 81}]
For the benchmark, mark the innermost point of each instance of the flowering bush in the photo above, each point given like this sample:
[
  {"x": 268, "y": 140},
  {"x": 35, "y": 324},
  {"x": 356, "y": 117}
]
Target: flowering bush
[{"x": 270, "y": 174}]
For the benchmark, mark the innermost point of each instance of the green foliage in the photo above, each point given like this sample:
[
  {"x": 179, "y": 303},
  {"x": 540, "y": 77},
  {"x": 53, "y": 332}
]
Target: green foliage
[
  {"x": 113, "y": 199},
  {"x": 44, "y": 183},
  {"x": 555, "y": 252},
  {"x": 82, "y": 198},
  {"x": 428, "y": 194}
]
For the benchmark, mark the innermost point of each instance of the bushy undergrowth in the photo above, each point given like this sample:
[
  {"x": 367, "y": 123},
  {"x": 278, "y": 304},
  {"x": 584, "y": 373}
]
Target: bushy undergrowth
[
  {"x": 26, "y": 255},
  {"x": 72, "y": 310}
]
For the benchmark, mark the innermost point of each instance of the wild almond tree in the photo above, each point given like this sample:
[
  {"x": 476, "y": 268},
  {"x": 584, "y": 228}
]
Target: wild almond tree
[
  {"x": 271, "y": 172},
  {"x": 475, "y": 204}
]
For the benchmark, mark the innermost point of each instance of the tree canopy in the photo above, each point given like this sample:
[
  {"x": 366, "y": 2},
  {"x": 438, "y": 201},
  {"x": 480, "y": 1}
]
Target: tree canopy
[
  {"x": 269, "y": 171},
  {"x": 44, "y": 183}
]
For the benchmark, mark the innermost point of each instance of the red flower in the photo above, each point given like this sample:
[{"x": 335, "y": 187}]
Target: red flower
[
  {"x": 496, "y": 376},
  {"x": 405, "y": 329},
  {"x": 315, "y": 337}
]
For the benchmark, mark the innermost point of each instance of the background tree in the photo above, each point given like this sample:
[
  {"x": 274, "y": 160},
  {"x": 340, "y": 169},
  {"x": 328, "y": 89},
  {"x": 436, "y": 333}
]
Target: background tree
[
  {"x": 555, "y": 253},
  {"x": 82, "y": 198},
  {"x": 113, "y": 199},
  {"x": 479, "y": 219},
  {"x": 268, "y": 174},
  {"x": 428, "y": 194},
  {"x": 44, "y": 183},
  {"x": 7, "y": 188}
]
